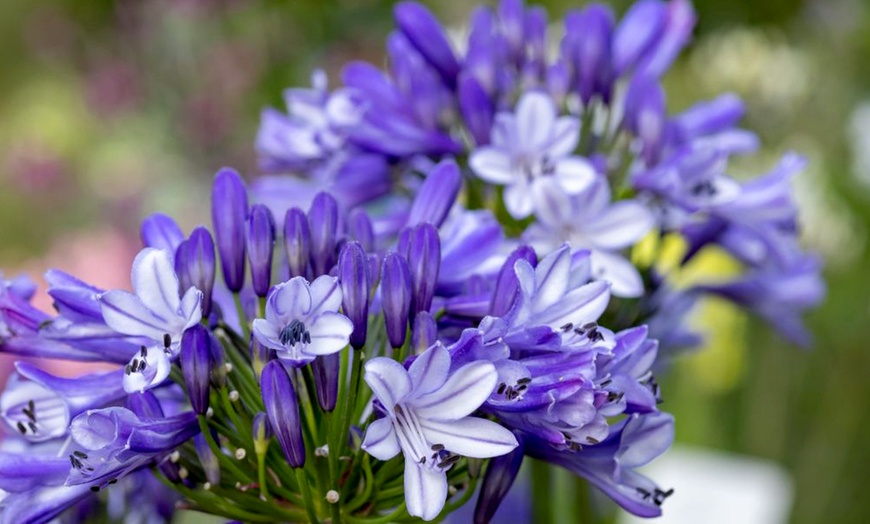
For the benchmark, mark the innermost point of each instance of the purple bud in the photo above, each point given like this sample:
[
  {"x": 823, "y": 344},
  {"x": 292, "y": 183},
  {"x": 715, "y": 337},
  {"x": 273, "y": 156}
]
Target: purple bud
[
  {"x": 207, "y": 459},
  {"x": 535, "y": 35},
  {"x": 422, "y": 29},
  {"x": 297, "y": 242},
  {"x": 506, "y": 285},
  {"x": 229, "y": 212},
  {"x": 195, "y": 265},
  {"x": 476, "y": 107},
  {"x": 360, "y": 228},
  {"x": 424, "y": 332},
  {"x": 510, "y": 15},
  {"x": 558, "y": 81},
  {"x": 196, "y": 366},
  {"x": 353, "y": 275},
  {"x": 396, "y": 297},
  {"x": 675, "y": 34},
  {"x": 424, "y": 259},
  {"x": 161, "y": 231},
  {"x": 587, "y": 45},
  {"x": 261, "y": 244},
  {"x": 638, "y": 31},
  {"x": 218, "y": 369},
  {"x": 497, "y": 481},
  {"x": 710, "y": 117},
  {"x": 326, "y": 369},
  {"x": 282, "y": 407},
  {"x": 437, "y": 194},
  {"x": 645, "y": 115},
  {"x": 323, "y": 224}
]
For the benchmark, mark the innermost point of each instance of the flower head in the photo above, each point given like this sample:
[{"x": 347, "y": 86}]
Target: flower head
[
  {"x": 427, "y": 417},
  {"x": 530, "y": 150},
  {"x": 302, "y": 320}
]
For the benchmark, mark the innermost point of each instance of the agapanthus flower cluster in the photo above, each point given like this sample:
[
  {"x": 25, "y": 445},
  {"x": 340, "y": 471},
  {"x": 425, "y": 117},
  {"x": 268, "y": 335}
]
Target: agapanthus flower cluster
[{"x": 444, "y": 286}]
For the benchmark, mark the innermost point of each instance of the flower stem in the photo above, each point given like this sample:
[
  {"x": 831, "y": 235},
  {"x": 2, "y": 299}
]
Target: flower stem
[{"x": 306, "y": 495}]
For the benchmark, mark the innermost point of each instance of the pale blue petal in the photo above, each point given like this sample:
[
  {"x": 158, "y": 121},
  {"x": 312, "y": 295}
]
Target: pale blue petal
[
  {"x": 429, "y": 370},
  {"x": 156, "y": 283},
  {"x": 329, "y": 333},
  {"x": 381, "y": 441},
  {"x": 425, "y": 490},
  {"x": 461, "y": 395},
  {"x": 126, "y": 314},
  {"x": 325, "y": 295},
  {"x": 389, "y": 381},
  {"x": 470, "y": 437}
]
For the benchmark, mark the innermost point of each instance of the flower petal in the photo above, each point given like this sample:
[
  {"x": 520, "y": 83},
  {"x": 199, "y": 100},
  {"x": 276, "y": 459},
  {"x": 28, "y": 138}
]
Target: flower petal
[
  {"x": 329, "y": 333},
  {"x": 388, "y": 380},
  {"x": 552, "y": 203},
  {"x": 621, "y": 225},
  {"x": 492, "y": 165},
  {"x": 579, "y": 306},
  {"x": 381, "y": 441},
  {"x": 470, "y": 437},
  {"x": 267, "y": 334},
  {"x": 551, "y": 276},
  {"x": 624, "y": 278},
  {"x": 289, "y": 300},
  {"x": 574, "y": 174},
  {"x": 566, "y": 134},
  {"x": 464, "y": 392},
  {"x": 429, "y": 370},
  {"x": 325, "y": 294},
  {"x": 536, "y": 117},
  {"x": 425, "y": 490},
  {"x": 156, "y": 283},
  {"x": 126, "y": 314},
  {"x": 518, "y": 201}
]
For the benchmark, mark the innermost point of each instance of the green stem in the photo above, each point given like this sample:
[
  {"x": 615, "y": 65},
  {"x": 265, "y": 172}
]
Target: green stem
[
  {"x": 542, "y": 510},
  {"x": 306, "y": 495},
  {"x": 243, "y": 318}
]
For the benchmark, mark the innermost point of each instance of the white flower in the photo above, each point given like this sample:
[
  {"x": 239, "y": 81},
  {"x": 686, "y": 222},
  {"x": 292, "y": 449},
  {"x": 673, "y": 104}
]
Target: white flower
[
  {"x": 531, "y": 151},
  {"x": 427, "y": 418},
  {"x": 302, "y": 320}
]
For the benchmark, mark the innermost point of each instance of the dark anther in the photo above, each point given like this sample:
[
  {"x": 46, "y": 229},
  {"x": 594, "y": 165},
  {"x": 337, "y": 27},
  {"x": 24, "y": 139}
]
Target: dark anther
[
  {"x": 595, "y": 336},
  {"x": 422, "y": 460},
  {"x": 567, "y": 327},
  {"x": 659, "y": 496},
  {"x": 113, "y": 481},
  {"x": 167, "y": 340},
  {"x": 452, "y": 459},
  {"x": 606, "y": 383},
  {"x": 31, "y": 405},
  {"x": 592, "y": 440},
  {"x": 524, "y": 380},
  {"x": 95, "y": 488},
  {"x": 398, "y": 409},
  {"x": 704, "y": 188},
  {"x": 643, "y": 492},
  {"x": 437, "y": 447},
  {"x": 501, "y": 388},
  {"x": 32, "y": 426},
  {"x": 614, "y": 396},
  {"x": 143, "y": 351},
  {"x": 76, "y": 463},
  {"x": 80, "y": 454},
  {"x": 590, "y": 325},
  {"x": 21, "y": 428},
  {"x": 574, "y": 446},
  {"x": 128, "y": 369},
  {"x": 294, "y": 333},
  {"x": 522, "y": 388}
]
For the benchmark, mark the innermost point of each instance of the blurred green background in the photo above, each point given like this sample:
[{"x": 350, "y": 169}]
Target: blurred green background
[{"x": 110, "y": 110}]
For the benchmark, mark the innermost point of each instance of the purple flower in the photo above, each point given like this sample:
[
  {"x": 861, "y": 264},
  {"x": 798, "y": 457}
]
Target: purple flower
[
  {"x": 610, "y": 465},
  {"x": 427, "y": 417},
  {"x": 422, "y": 29},
  {"x": 196, "y": 365},
  {"x": 297, "y": 242},
  {"x": 302, "y": 320},
  {"x": 355, "y": 287},
  {"x": 591, "y": 221},
  {"x": 531, "y": 150},
  {"x": 112, "y": 442},
  {"x": 39, "y": 406}
]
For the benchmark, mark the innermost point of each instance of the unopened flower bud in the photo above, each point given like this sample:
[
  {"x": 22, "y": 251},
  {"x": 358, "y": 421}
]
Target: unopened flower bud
[
  {"x": 297, "y": 242},
  {"x": 260, "y": 245},
  {"x": 282, "y": 407},
  {"x": 396, "y": 297},
  {"x": 196, "y": 366},
  {"x": 195, "y": 265},
  {"x": 323, "y": 224},
  {"x": 229, "y": 214},
  {"x": 424, "y": 259},
  {"x": 353, "y": 275}
]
